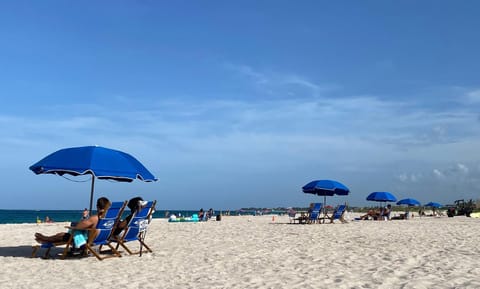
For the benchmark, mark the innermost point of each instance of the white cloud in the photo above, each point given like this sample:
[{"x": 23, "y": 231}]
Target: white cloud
[
  {"x": 409, "y": 178},
  {"x": 438, "y": 173},
  {"x": 249, "y": 71},
  {"x": 473, "y": 96},
  {"x": 462, "y": 168}
]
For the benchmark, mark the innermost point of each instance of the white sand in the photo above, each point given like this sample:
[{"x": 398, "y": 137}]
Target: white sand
[{"x": 254, "y": 252}]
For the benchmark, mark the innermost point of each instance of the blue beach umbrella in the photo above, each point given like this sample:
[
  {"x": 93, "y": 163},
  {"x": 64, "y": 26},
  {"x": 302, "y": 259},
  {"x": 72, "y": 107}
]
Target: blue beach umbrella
[
  {"x": 381, "y": 197},
  {"x": 433, "y": 204},
  {"x": 409, "y": 202},
  {"x": 100, "y": 162},
  {"x": 325, "y": 188}
]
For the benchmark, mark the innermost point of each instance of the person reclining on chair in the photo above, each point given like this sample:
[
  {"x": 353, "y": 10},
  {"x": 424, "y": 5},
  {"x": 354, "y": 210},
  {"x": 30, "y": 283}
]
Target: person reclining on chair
[
  {"x": 372, "y": 213},
  {"x": 102, "y": 205},
  {"x": 135, "y": 204},
  {"x": 385, "y": 214}
]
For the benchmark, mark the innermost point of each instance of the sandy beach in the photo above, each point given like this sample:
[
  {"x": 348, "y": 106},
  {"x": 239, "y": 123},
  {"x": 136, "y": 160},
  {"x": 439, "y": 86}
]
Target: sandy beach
[{"x": 256, "y": 252}]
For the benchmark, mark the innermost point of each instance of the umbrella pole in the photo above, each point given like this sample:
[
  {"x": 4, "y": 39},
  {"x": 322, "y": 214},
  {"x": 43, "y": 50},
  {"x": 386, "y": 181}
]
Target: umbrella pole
[
  {"x": 324, "y": 208},
  {"x": 91, "y": 194}
]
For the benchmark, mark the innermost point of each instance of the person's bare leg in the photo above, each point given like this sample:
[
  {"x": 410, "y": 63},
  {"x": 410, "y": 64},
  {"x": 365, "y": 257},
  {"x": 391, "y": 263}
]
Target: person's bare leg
[{"x": 40, "y": 238}]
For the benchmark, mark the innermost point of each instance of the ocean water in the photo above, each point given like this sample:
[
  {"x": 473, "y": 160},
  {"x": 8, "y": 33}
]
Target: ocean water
[{"x": 30, "y": 216}]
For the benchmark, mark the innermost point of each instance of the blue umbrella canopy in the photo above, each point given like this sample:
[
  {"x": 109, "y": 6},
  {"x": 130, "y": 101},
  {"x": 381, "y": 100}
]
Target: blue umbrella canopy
[
  {"x": 325, "y": 188},
  {"x": 433, "y": 204},
  {"x": 381, "y": 197},
  {"x": 409, "y": 202},
  {"x": 100, "y": 162}
]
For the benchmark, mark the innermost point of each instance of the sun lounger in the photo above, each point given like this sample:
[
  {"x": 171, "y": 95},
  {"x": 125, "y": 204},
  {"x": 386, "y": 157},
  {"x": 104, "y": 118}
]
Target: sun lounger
[
  {"x": 312, "y": 216},
  {"x": 100, "y": 236},
  {"x": 338, "y": 214},
  {"x": 137, "y": 229}
]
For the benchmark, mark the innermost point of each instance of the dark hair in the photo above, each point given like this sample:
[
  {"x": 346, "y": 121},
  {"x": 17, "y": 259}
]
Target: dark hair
[
  {"x": 103, "y": 203},
  {"x": 133, "y": 203}
]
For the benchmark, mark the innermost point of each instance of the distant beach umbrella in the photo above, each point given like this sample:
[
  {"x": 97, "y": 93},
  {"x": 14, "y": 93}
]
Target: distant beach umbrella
[
  {"x": 409, "y": 202},
  {"x": 100, "y": 162},
  {"x": 325, "y": 188},
  {"x": 381, "y": 197},
  {"x": 433, "y": 204}
]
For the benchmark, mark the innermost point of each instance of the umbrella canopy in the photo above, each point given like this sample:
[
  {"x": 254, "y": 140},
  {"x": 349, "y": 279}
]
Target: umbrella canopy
[
  {"x": 381, "y": 197},
  {"x": 433, "y": 204},
  {"x": 409, "y": 202},
  {"x": 325, "y": 188},
  {"x": 100, "y": 162}
]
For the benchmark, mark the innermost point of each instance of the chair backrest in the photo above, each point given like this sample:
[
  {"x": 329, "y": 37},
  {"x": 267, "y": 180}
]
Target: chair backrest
[
  {"x": 139, "y": 222},
  {"x": 339, "y": 212},
  {"x": 317, "y": 207},
  {"x": 313, "y": 215},
  {"x": 106, "y": 224}
]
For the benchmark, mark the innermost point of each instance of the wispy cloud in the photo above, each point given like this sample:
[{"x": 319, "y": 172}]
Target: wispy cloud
[
  {"x": 473, "y": 96},
  {"x": 281, "y": 85}
]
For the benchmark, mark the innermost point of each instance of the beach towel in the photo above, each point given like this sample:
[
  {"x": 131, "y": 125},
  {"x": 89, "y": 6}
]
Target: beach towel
[{"x": 79, "y": 238}]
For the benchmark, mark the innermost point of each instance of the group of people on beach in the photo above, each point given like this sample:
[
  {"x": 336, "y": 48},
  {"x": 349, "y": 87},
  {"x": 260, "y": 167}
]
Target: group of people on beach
[
  {"x": 204, "y": 216},
  {"x": 90, "y": 222}
]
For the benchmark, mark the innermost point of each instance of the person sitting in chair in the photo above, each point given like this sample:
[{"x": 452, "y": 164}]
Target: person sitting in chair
[
  {"x": 385, "y": 215},
  {"x": 102, "y": 206},
  {"x": 135, "y": 204}
]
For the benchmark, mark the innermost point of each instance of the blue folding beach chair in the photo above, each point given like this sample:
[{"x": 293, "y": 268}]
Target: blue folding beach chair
[
  {"x": 338, "y": 214},
  {"x": 100, "y": 236},
  {"x": 315, "y": 212},
  {"x": 137, "y": 228}
]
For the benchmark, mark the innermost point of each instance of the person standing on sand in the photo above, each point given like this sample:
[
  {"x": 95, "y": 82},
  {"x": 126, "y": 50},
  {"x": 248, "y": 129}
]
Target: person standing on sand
[{"x": 85, "y": 214}]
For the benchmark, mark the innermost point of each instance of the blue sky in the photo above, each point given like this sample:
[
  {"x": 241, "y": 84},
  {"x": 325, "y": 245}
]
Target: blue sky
[{"x": 237, "y": 104}]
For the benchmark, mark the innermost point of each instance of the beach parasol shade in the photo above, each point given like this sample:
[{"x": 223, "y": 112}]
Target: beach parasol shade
[
  {"x": 381, "y": 197},
  {"x": 100, "y": 162},
  {"x": 433, "y": 204},
  {"x": 325, "y": 188},
  {"x": 409, "y": 202}
]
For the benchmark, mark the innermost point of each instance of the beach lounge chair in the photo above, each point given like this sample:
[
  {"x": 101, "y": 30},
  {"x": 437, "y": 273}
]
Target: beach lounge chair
[
  {"x": 137, "y": 229},
  {"x": 100, "y": 236},
  {"x": 315, "y": 213},
  {"x": 312, "y": 216},
  {"x": 338, "y": 214},
  {"x": 47, "y": 246}
]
